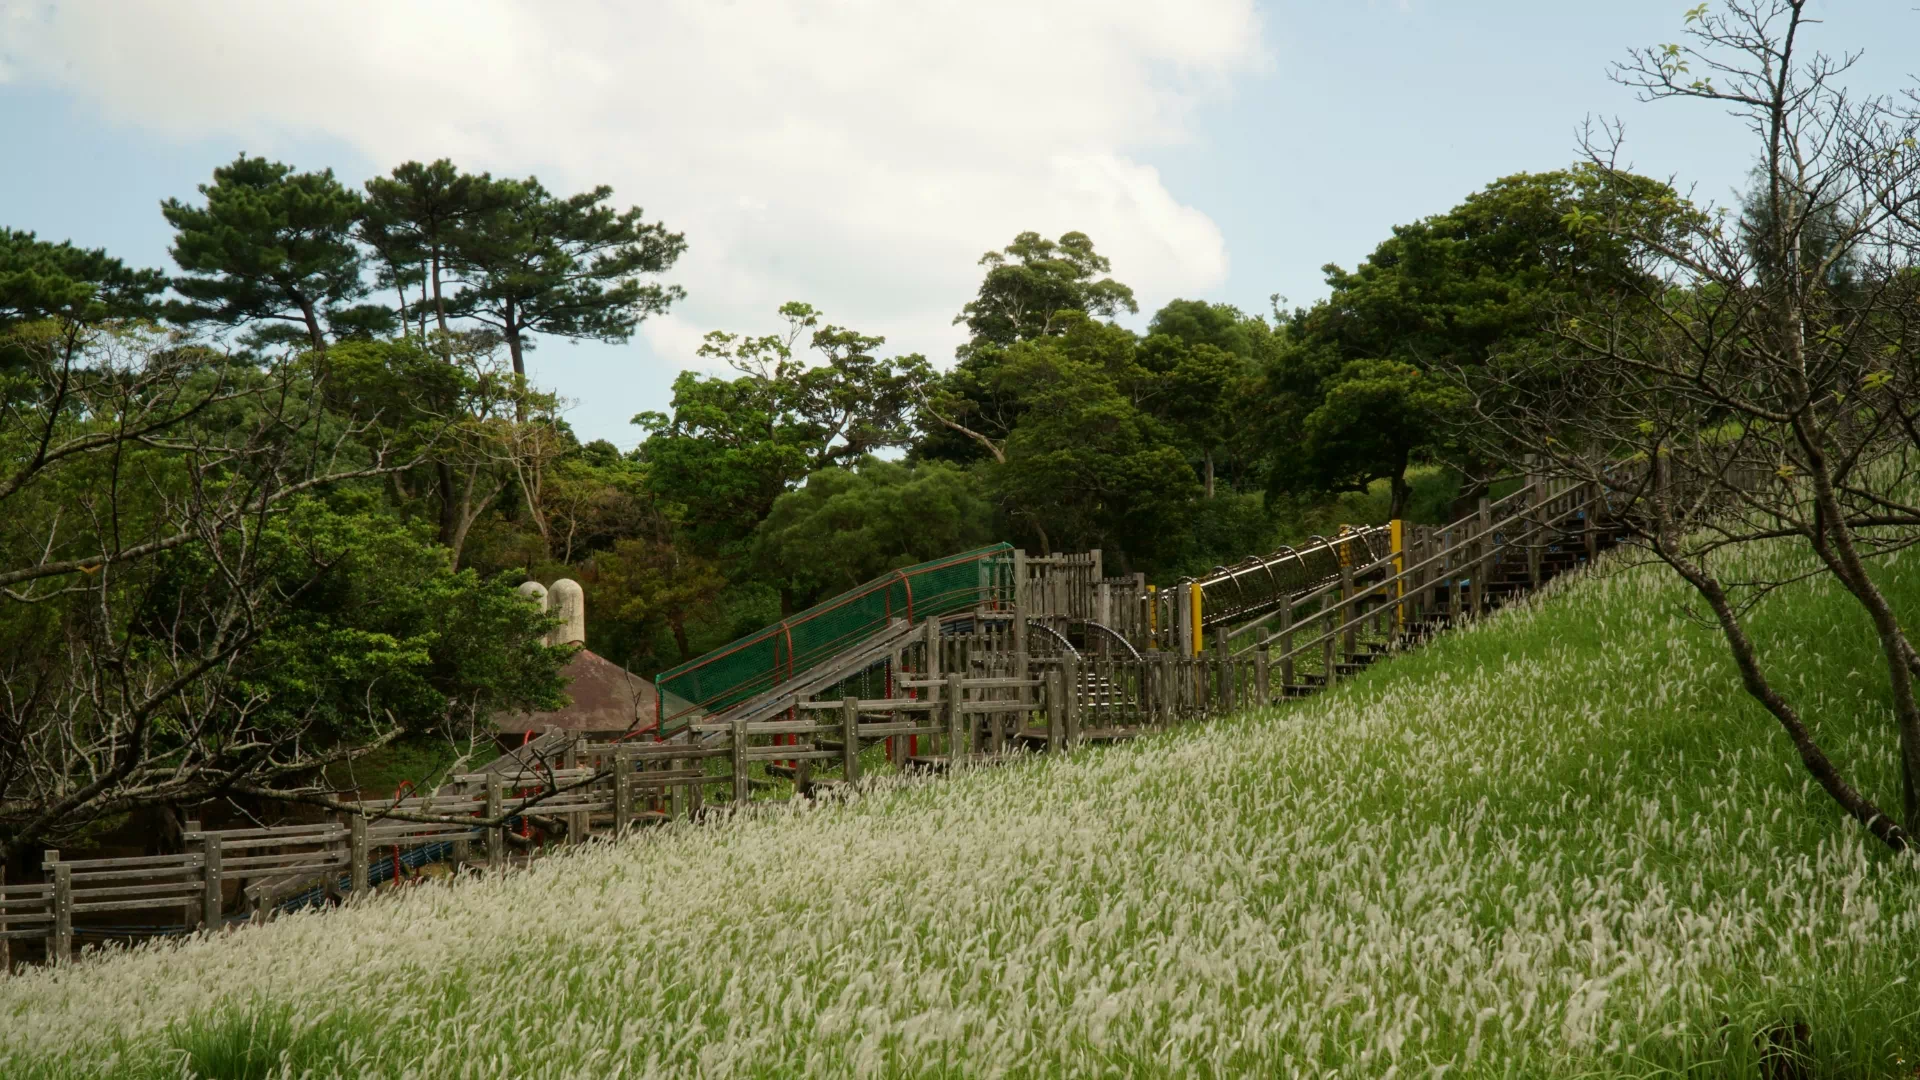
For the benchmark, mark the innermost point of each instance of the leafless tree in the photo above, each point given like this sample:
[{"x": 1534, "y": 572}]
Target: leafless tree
[
  {"x": 1764, "y": 387},
  {"x": 142, "y": 554}
]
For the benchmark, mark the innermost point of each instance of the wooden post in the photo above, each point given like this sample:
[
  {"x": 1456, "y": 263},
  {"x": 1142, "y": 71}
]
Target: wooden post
[
  {"x": 1344, "y": 612},
  {"x": 1286, "y": 646},
  {"x": 1223, "y": 656},
  {"x": 578, "y": 821},
  {"x": 957, "y": 748},
  {"x": 1536, "y": 528},
  {"x": 622, "y": 792},
  {"x": 1056, "y": 714},
  {"x": 1262, "y": 673},
  {"x": 1070, "y": 681},
  {"x": 497, "y": 832},
  {"x": 462, "y": 851},
  {"x": 210, "y": 878},
  {"x": 6, "y": 943},
  {"x": 680, "y": 796},
  {"x": 1327, "y": 644},
  {"x": 357, "y": 853},
  {"x": 60, "y": 944},
  {"x": 1483, "y": 561},
  {"x": 742, "y": 783},
  {"x": 1019, "y": 597},
  {"x": 850, "y": 740},
  {"x": 1019, "y": 644},
  {"x": 1590, "y": 526}
]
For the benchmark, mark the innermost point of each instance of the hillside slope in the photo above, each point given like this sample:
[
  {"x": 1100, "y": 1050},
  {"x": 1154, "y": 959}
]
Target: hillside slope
[{"x": 1561, "y": 843}]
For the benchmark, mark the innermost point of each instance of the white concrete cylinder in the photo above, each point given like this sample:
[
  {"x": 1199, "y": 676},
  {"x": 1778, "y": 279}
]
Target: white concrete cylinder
[
  {"x": 535, "y": 592},
  {"x": 568, "y": 602}
]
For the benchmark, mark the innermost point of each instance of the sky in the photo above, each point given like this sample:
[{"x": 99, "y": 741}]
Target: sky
[{"x": 861, "y": 155}]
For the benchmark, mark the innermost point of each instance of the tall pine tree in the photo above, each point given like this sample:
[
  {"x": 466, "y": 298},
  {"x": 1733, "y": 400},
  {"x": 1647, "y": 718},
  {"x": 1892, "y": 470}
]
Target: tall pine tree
[
  {"x": 538, "y": 264},
  {"x": 271, "y": 246}
]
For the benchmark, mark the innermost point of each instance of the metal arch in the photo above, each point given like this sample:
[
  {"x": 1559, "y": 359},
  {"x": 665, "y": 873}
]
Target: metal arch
[
  {"x": 1115, "y": 635},
  {"x": 1035, "y": 624},
  {"x": 1272, "y": 575}
]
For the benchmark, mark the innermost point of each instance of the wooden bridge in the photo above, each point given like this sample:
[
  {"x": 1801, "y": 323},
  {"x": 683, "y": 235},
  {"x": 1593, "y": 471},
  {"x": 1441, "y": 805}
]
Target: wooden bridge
[{"x": 1050, "y": 656}]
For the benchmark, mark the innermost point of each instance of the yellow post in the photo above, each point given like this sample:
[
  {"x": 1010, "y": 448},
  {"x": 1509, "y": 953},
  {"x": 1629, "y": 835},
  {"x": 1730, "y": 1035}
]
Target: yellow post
[
  {"x": 1398, "y": 531},
  {"x": 1199, "y": 639},
  {"x": 1153, "y": 614}
]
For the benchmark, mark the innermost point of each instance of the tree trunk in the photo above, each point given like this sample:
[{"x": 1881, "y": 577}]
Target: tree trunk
[
  {"x": 1209, "y": 457},
  {"x": 1834, "y": 544},
  {"x": 680, "y": 640},
  {"x": 513, "y": 346},
  {"x": 1402, "y": 492},
  {"x": 786, "y": 601},
  {"x": 449, "y": 507},
  {"x": 1858, "y": 806},
  {"x": 439, "y": 302},
  {"x": 519, "y": 368},
  {"x": 313, "y": 326}
]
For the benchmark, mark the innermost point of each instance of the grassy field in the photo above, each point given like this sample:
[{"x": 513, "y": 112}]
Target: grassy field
[{"x": 1559, "y": 844}]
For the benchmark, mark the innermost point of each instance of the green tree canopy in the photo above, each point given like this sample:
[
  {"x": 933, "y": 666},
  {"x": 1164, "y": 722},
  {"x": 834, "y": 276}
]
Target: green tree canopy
[
  {"x": 1031, "y": 281},
  {"x": 846, "y": 526},
  {"x": 536, "y": 263},
  {"x": 731, "y": 446},
  {"x": 1449, "y": 292},
  {"x": 271, "y": 246},
  {"x": 43, "y": 280},
  {"x": 415, "y": 218}
]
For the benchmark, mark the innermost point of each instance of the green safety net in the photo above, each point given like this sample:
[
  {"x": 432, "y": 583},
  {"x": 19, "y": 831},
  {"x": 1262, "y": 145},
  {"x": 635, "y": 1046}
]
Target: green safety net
[{"x": 760, "y": 661}]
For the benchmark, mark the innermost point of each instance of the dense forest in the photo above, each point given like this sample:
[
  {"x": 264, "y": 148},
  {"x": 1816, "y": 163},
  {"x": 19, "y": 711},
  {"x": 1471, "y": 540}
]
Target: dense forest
[{"x": 820, "y": 459}]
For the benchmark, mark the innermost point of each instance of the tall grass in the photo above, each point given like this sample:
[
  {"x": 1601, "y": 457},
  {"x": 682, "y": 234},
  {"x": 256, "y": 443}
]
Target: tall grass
[{"x": 1558, "y": 844}]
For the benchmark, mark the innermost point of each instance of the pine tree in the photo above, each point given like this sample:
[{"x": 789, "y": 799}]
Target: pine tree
[
  {"x": 271, "y": 246},
  {"x": 538, "y": 264}
]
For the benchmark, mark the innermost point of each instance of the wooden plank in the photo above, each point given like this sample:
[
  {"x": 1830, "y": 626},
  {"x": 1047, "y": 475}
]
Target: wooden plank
[
  {"x": 742, "y": 792},
  {"x": 138, "y": 874},
  {"x": 335, "y": 836},
  {"x": 529, "y": 779},
  {"x": 796, "y": 727},
  {"x": 284, "y": 862},
  {"x": 61, "y": 945},
  {"x": 957, "y": 749},
  {"x": 904, "y": 727},
  {"x": 187, "y": 861},
  {"x": 230, "y": 835},
  {"x": 496, "y": 834},
  {"x": 793, "y": 752},
  {"x": 870, "y": 705},
  {"x": 171, "y": 888},
  {"x": 357, "y": 854},
  {"x": 415, "y": 839},
  {"x": 850, "y": 740},
  {"x": 997, "y": 683},
  {"x": 128, "y": 905}
]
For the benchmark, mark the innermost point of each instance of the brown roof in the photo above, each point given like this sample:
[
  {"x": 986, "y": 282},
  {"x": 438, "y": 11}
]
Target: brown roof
[{"x": 605, "y": 699}]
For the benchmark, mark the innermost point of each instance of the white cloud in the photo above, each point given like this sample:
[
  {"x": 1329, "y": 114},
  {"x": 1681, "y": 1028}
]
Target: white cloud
[{"x": 858, "y": 154}]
